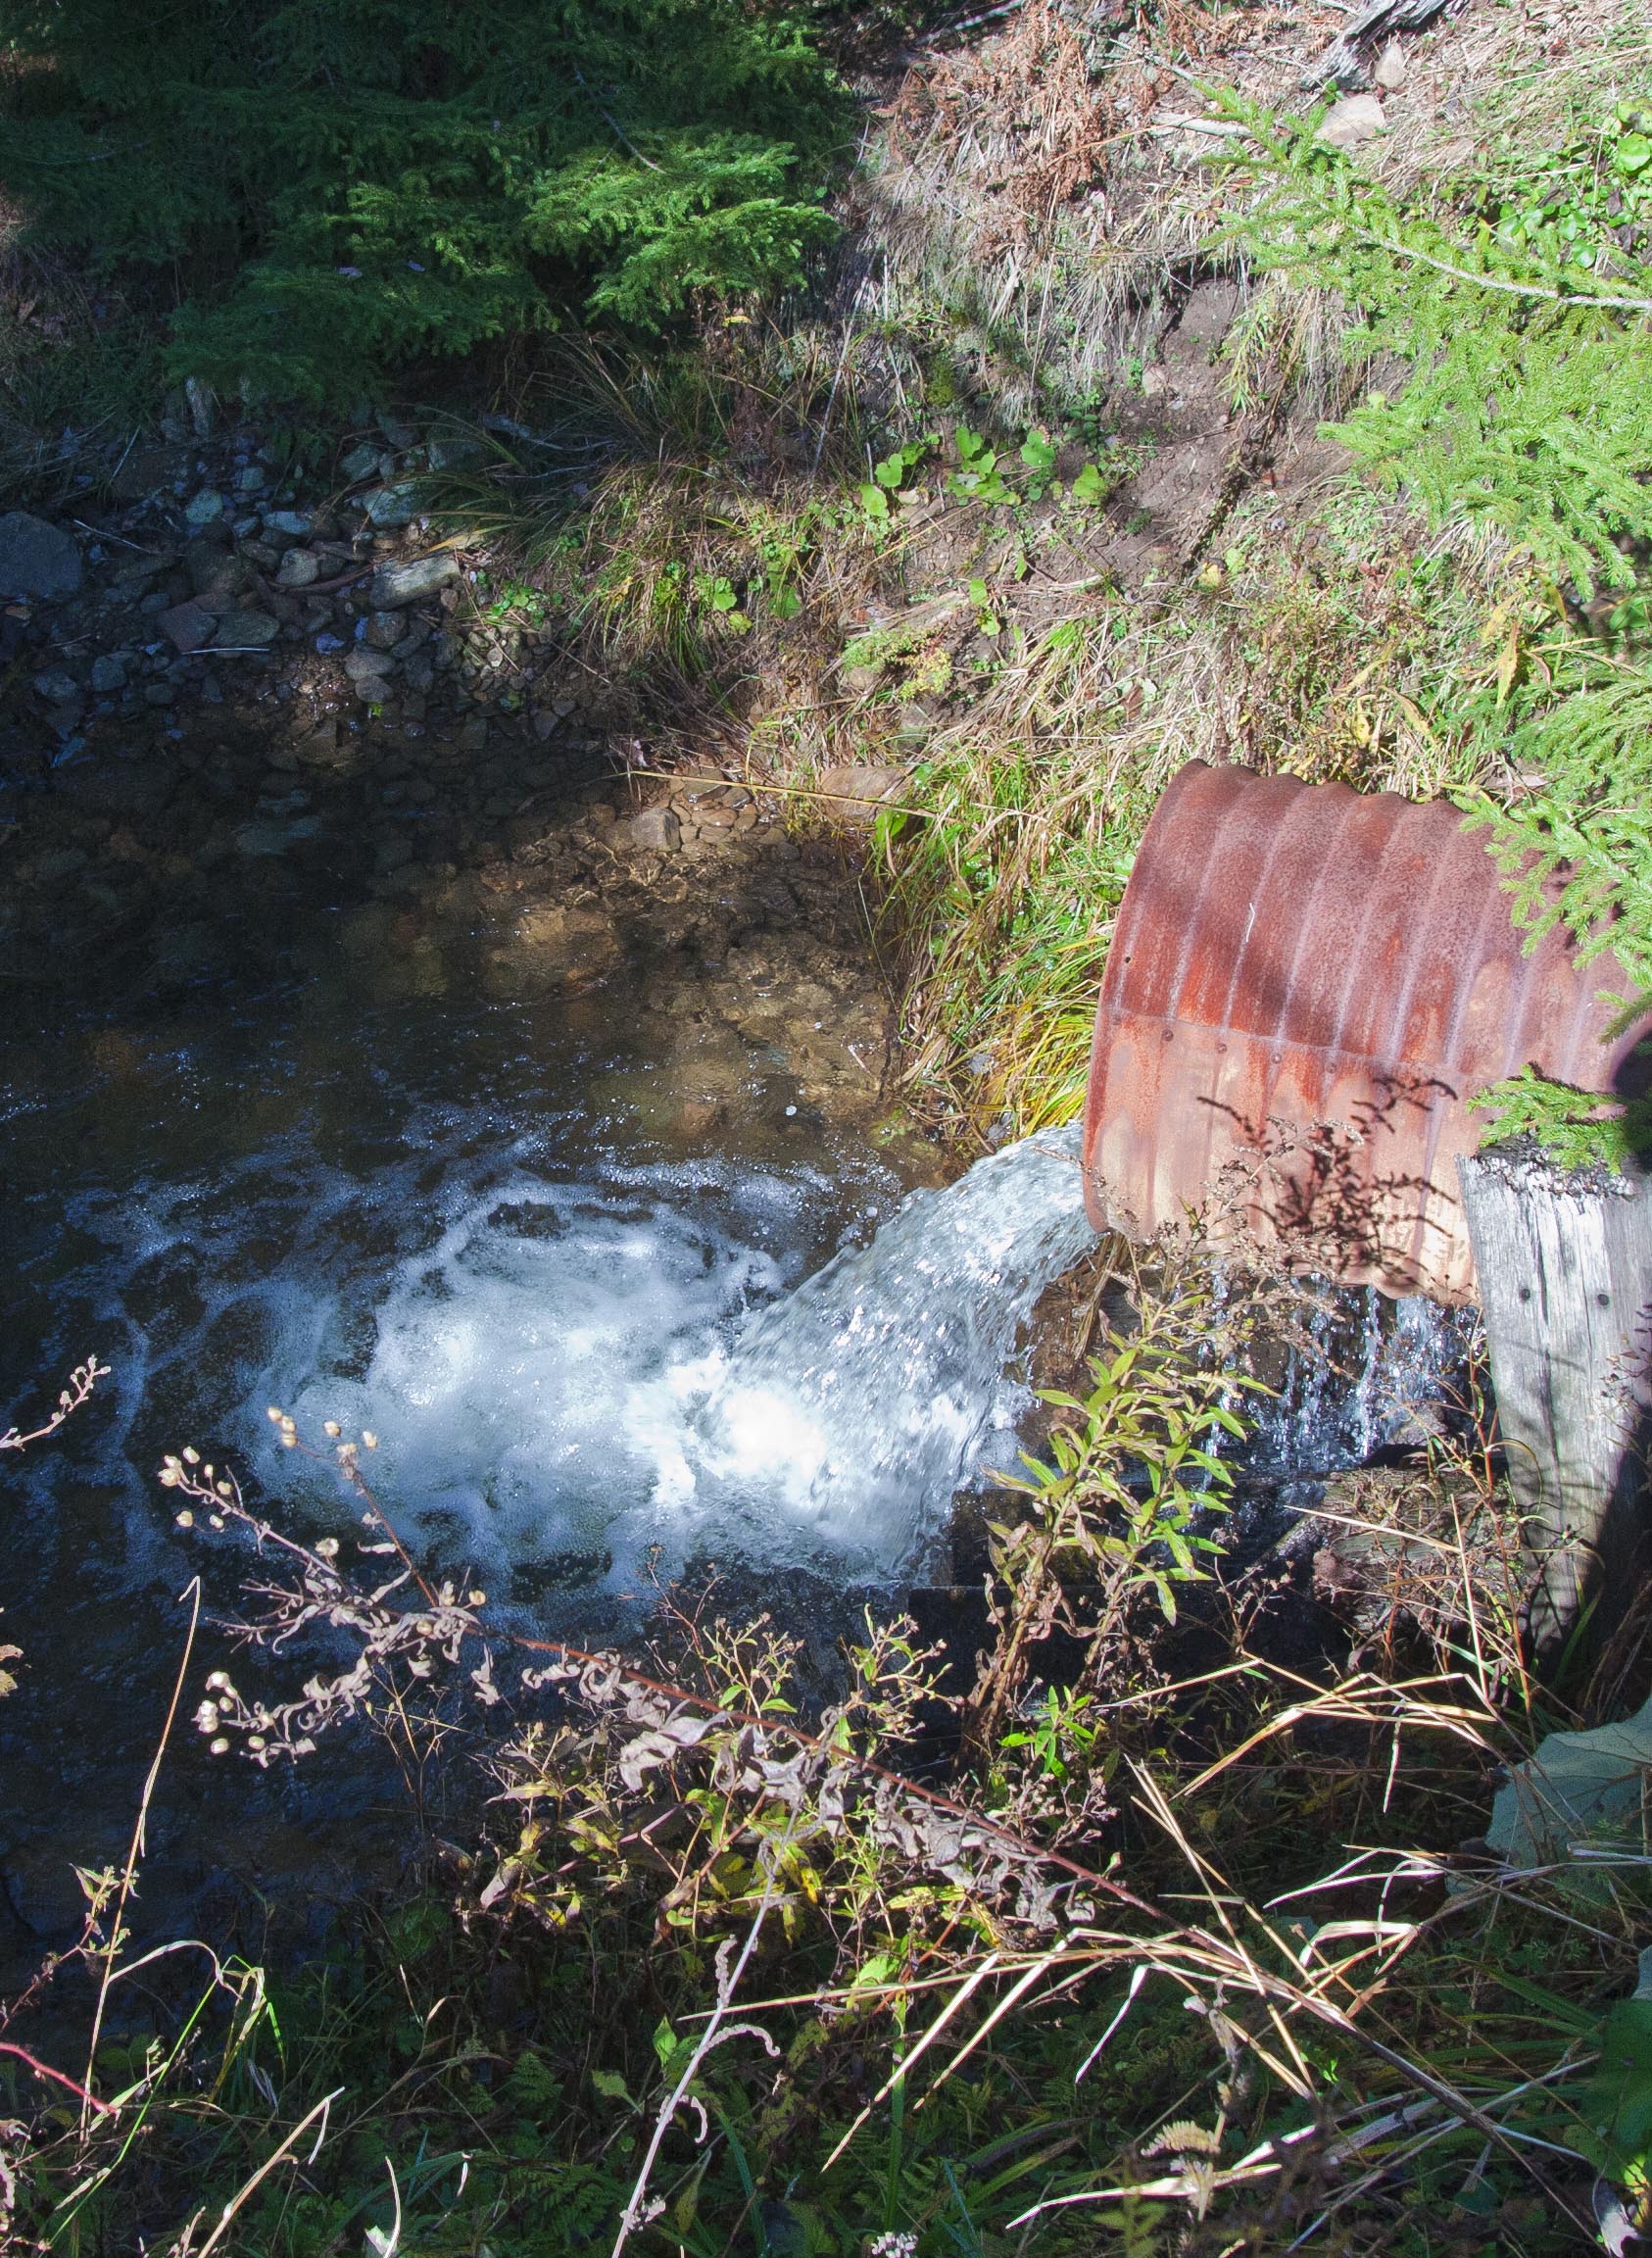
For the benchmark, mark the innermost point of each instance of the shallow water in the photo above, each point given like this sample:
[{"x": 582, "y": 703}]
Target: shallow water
[
  {"x": 609, "y": 1333},
  {"x": 497, "y": 1231}
]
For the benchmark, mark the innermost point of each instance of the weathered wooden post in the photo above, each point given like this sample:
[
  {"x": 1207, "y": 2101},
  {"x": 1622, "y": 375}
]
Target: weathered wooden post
[{"x": 1565, "y": 1276}]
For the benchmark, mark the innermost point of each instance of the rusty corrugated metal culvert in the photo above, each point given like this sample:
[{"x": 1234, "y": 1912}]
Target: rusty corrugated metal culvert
[{"x": 1305, "y": 985}]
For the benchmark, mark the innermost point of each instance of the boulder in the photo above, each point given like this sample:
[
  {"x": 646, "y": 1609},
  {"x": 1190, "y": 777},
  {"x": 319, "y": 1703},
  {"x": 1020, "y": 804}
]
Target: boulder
[
  {"x": 392, "y": 505},
  {"x": 245, "y": 631},
  {"x": 36, "y": 559},
  {"x": 363, "y": 461},
  {"x": 299, "y": 567}
]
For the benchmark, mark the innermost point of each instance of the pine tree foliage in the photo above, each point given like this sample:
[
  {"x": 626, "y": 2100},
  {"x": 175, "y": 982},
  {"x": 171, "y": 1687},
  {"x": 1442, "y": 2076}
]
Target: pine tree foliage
[
  {"x": 1528, "y": 404},
  {"x": 342, "y": 184},
  {"x": 1527, "y": 408}
]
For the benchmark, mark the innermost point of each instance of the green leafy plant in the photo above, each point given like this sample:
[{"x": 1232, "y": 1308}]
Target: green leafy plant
[
  {"x": 1118, "y": 1499},
  {"x": 1523, "y": 315},
  {"x": 1039, "y": 455},
  {"x": 1528, "y": 404},
  {"x": 888, "y": 477},
  {"x": 343, "y": 188},
  {"x": 514, "y": 603},
  {"x": 987, "y": 620},
  {"x": 1589, "y": 207},
  {"x": 977, "y": 477},
  {"x": 716, "y": 593},
  {"x": 1575, "y": 1128}
]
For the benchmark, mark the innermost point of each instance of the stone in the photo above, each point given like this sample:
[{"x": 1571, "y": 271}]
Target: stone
[
  {"x": 659, "y": 829},
  {"x": 295, "y": 524},
  {"x": 364, "y": 661},
  {"x": 217, "y": 582},
  {"x": 244, "y": 630},
  {"x": 393, "y": 851},
  {"x": 316, "y": 748},
  {"x": 393, "y": 506},
  {"x": 1352, "y": 121},
  {"x": 453, "y": 453},
  {"x": 259, "y": 839},
  {"x": 361, "y": 462},
  {"x": 474, "y": 735},
  {"x": 405, "y": 581},
  {"x": 251, "y": 481},
  {"x": 851, "y": 794},
  {"x": 56, "y": 687},
  {"x": 383, "y": 631},
  {"x": 205, "y": 508},
  {"x": 36, "y": 559},
  {"x": 1388, "y": 70},
  {"x": 109, "y": 672},
  {"x": 298, "y": 568},
  {"x": 406, "y": 644}
]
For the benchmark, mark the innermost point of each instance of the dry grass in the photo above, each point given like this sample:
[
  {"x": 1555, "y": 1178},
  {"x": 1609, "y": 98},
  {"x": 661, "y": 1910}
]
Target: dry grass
[
  {"x": 1032, "y": 214},
  {"x": 1338, "y": 645}
]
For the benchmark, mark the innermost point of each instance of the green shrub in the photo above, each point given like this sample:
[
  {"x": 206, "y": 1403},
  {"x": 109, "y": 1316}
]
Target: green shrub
[{"x": 341, "y": 185}]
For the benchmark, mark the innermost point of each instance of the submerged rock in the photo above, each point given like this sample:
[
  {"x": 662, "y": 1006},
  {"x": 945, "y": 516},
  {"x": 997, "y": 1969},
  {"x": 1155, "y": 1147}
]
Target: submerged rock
[
  {"x": 247, "y": 630},
  {"x": 659, "y": 829}
]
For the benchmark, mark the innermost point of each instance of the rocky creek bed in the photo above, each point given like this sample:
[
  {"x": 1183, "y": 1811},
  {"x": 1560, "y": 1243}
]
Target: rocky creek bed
[{"x": 239, "y": 719}]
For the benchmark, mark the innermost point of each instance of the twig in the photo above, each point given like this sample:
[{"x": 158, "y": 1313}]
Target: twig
[
  {"x": 134, "y": 1852},
  {"x": 82, "y": 1380},
  {"x": 58, "y": 2076},
  {"x": 728, "y": 1983},
  {"x": 1501, "y": 281}
]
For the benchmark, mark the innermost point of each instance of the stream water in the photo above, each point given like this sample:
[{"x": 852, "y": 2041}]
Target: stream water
[
  {"x": 602, "y": 1345},
  {"x": 600, "y": 1351}
]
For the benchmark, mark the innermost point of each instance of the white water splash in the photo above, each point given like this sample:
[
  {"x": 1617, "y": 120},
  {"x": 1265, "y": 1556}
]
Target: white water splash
[
  {"x": 851, "y": 1411},
  {"x": 1372, "y": 1376},
  {"x": 566, "y": 1375}
]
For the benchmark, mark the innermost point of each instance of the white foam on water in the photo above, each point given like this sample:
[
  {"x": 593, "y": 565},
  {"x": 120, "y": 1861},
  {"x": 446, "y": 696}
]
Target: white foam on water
[
  {"x": 596, "y": 1375},
  {"x": 574, "y": 1371},
  {"x": 600, "y": 1375},
  {"x": 852, "y": 1410}
]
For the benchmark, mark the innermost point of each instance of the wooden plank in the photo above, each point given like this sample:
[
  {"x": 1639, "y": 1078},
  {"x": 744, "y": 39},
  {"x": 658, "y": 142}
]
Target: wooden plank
[{"x": 1563, "y": 1266}]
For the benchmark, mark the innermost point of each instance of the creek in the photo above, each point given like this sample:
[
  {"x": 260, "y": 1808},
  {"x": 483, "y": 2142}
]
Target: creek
[{"x": 609, "y": 1334}]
